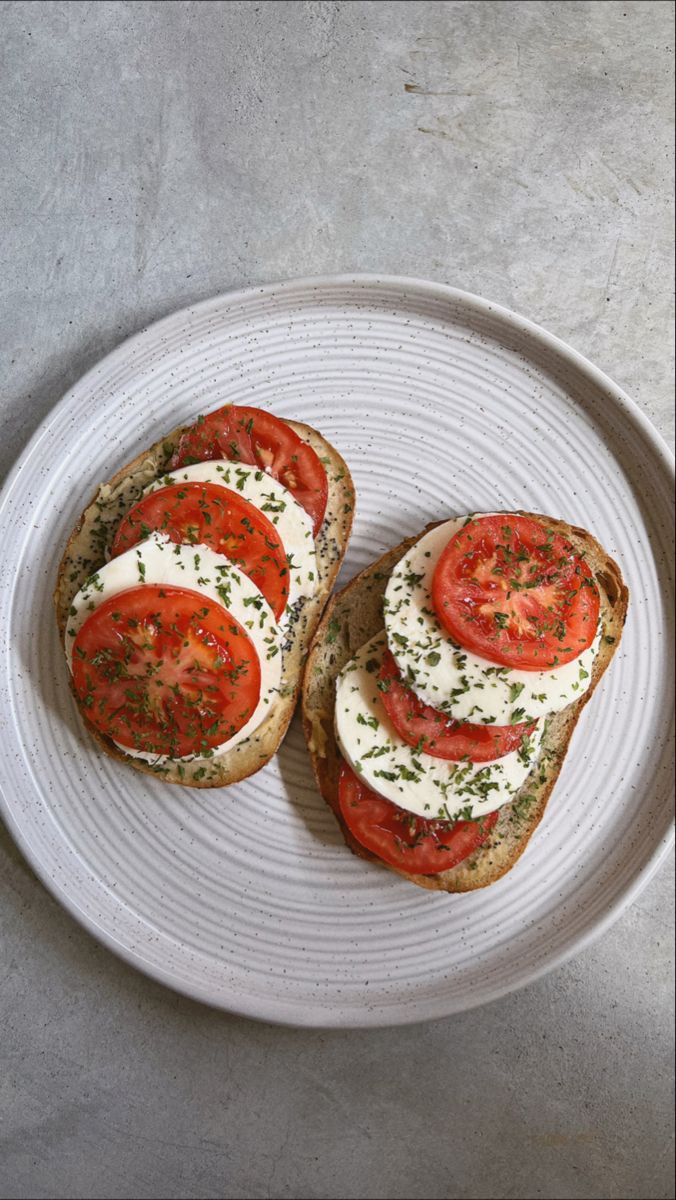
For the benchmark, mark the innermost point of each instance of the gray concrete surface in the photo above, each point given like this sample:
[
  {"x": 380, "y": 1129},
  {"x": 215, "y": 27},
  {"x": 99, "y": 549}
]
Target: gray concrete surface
[{"x": 154, "y": 154}]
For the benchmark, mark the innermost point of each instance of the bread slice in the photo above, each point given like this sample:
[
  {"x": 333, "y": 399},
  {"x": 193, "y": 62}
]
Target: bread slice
[
  {"x": 356, "y": 614},
  {"x": 86, "y": 552}
]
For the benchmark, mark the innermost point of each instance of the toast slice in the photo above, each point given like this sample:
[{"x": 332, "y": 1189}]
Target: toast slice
[
  {"x": 356, "y": 614},
  {"x": 87, "y": 550}
]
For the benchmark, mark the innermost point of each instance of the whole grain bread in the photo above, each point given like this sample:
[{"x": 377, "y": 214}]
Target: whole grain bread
[
  {"x": 356, "y": 614},
  {"x": 87, "y": 549}
]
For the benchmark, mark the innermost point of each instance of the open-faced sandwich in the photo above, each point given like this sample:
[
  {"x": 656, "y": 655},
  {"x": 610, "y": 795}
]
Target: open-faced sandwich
[
  {"x": 444, "y": 684},
  {"x": 191, "y": 587}
]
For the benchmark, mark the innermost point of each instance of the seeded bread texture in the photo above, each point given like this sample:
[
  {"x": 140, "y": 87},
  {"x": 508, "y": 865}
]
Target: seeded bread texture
[
  {"x": 356, "y": 614},
  {"x": 87, "y": 551}
]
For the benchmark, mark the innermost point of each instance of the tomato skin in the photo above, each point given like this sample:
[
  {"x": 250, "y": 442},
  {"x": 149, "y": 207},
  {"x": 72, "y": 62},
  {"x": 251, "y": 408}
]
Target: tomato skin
[
  {"x": 401, "y": 839},
  {"x": 433, "y": 732},
  {"x": 513, "y": 591},
  {"x": 164, "y": 670},
  {"x": 254, "y": 436},
  {"x": 210, "y": 515}
]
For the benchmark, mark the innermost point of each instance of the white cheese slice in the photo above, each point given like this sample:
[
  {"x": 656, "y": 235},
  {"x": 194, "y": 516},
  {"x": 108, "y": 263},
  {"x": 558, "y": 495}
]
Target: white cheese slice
[
  {"x": 420, "y": 783},
  {"x": 160, "y": 561},
  {"x": 276, "y": 503},
  {"x": 454, "y": 680}
]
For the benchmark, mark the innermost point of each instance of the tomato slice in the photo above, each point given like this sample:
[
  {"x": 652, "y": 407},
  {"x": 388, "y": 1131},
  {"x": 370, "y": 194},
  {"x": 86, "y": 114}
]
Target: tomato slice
[
  {"x": 206, "y": 514},
  {"x": 513, "y": 591},
  {"x": 432, "y": 731},
  {"x": 251, "y": 435},
  {"x": 163, "y": 669},
  {"x": 402, "y": 839}
]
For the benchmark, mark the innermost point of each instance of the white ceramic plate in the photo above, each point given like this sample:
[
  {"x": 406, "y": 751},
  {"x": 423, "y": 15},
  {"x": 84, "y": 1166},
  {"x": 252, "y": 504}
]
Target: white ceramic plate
[{"x": 441, "y": 403}]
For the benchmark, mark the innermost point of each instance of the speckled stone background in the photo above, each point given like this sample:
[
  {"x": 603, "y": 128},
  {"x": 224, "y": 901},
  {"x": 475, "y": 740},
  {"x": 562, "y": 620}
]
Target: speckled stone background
[{"x": 157, "y": 153}]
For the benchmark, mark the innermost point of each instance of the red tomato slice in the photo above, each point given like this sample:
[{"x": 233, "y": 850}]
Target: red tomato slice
[
  {"x": 206, "y": 514},
  {"x": 165, "y": 670},
  {"x": 250, "y": 435},
  {"x": 400, "y": 838},
  {"x": 424, "y": 727},
  {"x": 513, "y": 591}
]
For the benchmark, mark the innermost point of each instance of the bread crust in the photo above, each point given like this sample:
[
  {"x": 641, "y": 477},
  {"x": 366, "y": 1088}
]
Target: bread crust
[
  {"x": 355, "y": 614},
  {"x": 86, "y": 552}
]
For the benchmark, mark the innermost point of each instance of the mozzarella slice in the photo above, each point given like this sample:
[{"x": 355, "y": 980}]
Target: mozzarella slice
[
  {"x": 420, "y": 783},
  {"x": 276, "y": 503},
  {"x": 161, "y": 561},
  {"x": 454, "y": 680}
]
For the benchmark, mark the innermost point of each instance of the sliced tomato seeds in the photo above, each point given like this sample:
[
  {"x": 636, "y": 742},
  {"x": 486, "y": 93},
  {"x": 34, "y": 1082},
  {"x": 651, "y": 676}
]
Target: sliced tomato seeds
[
  {"x": 164, "y": 670},
  {"x": 515, "y": 592},
  {"x": 402, "y": 839},
  {"x": 254, "y": 436},
  {"x": 207, "y": 514}
]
